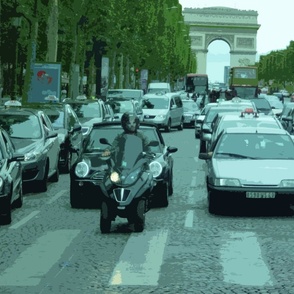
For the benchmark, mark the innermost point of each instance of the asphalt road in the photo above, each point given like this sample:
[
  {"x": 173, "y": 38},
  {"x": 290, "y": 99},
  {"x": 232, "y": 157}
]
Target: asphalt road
[{"x": 51, "y": 248}]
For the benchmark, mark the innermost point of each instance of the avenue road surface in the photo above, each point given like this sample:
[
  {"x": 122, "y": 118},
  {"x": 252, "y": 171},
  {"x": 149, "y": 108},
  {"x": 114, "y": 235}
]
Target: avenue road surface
[{"x": 51, "y": 248}]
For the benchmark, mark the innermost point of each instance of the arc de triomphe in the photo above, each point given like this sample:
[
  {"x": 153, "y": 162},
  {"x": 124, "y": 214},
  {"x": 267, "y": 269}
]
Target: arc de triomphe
[{"x": 238, "y": 28}]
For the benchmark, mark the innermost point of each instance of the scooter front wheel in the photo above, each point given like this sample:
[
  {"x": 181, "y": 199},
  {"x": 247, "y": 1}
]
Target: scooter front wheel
[
  {"x": 105, "y": 220},
  {"x": 140, "y": 216}
]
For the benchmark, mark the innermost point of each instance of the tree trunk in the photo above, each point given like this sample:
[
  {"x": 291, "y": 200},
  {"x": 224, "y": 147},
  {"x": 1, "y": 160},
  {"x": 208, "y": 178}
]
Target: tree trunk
[
  {"x": 52, "y": 35},
  {"x": 112, "y": 71}
]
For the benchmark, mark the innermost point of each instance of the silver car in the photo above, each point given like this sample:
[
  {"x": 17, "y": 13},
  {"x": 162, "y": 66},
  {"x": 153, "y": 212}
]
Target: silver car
[{"x": 250, "y": 165}]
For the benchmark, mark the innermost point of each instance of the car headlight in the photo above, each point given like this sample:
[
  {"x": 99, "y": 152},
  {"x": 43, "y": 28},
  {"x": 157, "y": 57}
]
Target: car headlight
[
  {"x": 1, "y": 183},
  {"x": 161, "y": 116},
  {"x": 32, "y": 155},
  {"x": 114, "y": 177},
  {"x": 82, "y": 169},
  {"x": 227, "y": 182},
  {"x": 287, "y": 183},
  {"x": 155, "y": 168}
]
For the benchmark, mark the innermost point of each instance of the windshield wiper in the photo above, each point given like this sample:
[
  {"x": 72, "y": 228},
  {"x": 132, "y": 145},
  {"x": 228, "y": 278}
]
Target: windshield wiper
[{"x": 235, "y": 155}]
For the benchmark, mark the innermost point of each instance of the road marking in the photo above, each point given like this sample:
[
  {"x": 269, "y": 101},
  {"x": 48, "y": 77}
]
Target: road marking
[
  {"x": 33, "y": 263},
  {"x": 193, "y": 182},
  {"x": 59, "y": 194},
  {"x": 191, "y": 198},
  {"x": 189, "y": 219},
  {"x": 24, "y": 220},
  {"x": 242, "y": 261},
  {"x": 196, "y": 159},
  {"x": 141, "y": 259}
]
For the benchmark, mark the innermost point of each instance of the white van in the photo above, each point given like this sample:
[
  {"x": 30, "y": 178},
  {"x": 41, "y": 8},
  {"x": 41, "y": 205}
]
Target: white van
[
  {"x": 158, "y": 88},
  {"x": 164, "y": 110}
]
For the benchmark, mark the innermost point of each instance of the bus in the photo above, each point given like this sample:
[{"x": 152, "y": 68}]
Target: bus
[
  {"x": 196, "y": 83},
  {"x": 244, "y": 81}
]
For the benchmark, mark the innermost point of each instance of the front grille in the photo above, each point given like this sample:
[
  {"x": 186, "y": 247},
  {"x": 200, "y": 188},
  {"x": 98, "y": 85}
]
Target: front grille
[
  {"x": 121, "y": 194},
  {"x": 149, "y": 116}
]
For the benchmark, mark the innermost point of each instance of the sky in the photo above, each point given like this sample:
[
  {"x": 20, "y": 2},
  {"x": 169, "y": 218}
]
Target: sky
[{"x": 276, "y": 19}]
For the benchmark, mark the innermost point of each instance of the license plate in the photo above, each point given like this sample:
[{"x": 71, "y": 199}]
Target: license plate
[{"x": 260, "y": 194}]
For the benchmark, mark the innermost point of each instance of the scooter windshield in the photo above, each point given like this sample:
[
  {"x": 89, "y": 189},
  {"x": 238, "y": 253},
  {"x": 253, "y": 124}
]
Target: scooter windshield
[{"x": 129, "y": 150}]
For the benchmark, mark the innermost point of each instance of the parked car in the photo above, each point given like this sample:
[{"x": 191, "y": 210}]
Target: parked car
[
  {"x": 10, "y": 178},
  {"x": 89, "y": 112},
  {"x": 85, "y": 183},
  {"x": 65, "y": 121},
  {"x": 287, "y": 109},
  {"x": 122, "y": 105},
  {"x": 32, "y": 134},
  {"x": 250, "y": 165},
  {"x": 191, "y": 112},
  {"x": 164, "y": 110}
]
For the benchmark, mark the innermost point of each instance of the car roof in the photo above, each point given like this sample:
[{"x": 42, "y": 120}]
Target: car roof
[
  {"x": 235, "y": 116},
  {"x": 256, "y": 130},
  {"x": 23, "y": 110}
]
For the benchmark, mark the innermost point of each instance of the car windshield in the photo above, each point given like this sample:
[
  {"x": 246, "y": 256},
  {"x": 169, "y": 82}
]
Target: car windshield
[
  {"x": 93, "y": 144},
  {"x": 190, "y": 106},
  {"x": 89, "y": 110},
  {"x": 122, "y": 106},
  {"x": 124, "y": 94},
  {"x": 261, "y": 103},
  {"x": 155, "y": 103},
  {"x": 56, "y": 117},
  {"x": 24, "y": 126},
  {"x": 255, "y": 146}
]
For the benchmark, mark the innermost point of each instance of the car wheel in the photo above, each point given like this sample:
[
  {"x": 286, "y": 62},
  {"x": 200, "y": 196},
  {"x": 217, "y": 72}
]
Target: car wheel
[
  {"x": 202, "y": 146},
  {"x": 75, "y": 197},
  {"x": 168, "y": 127},
  {"x": 19, "y": 201},
  {"x": 181, "y": 126},
  {"x": 170, "y": 184},
  {"x": 66, "y": 168},
  {"x": 161, "y": 195},
  {"x": 140, "y": 216},
  {"x": 105, "y": 218},
  {"x": 55, "y": 177},
  {"x": 213, "y": 202},
  {"x": 6, "y": 218},
  {"x": 42, "y": 185}
]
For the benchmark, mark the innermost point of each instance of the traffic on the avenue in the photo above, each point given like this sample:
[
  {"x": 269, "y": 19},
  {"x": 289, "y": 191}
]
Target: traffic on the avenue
[{"x": 126, "y": 167}]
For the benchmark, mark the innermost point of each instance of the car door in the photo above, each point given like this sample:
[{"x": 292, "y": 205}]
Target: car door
[
  {"x": 51, "y": 143},
  {"x": 14, "y": 167}
]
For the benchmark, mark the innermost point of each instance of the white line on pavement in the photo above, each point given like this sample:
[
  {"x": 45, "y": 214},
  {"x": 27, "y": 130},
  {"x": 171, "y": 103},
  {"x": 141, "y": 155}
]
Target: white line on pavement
[
  {"x": 33, "y": 263},
  {"x": 196, "y": 159},
  {"x": 24, "y": 220},
  {"x": 140, "y": 262},
  {"x": 193, "y": 182},
  {"x": 189, "y": 219},
  {"x": 191, "y": 198},
  {"x": 242, "y": 261},
  {"x": 59, "y": 194}
]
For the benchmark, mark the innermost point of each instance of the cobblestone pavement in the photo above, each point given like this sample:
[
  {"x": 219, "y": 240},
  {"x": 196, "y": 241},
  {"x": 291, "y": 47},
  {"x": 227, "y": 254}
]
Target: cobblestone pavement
[{"x": 51, "y": 248}]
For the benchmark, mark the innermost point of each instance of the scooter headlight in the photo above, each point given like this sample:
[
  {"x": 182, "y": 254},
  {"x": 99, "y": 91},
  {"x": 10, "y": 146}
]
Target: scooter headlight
[
  {"x": 155, "y": 168},
  {"x": 114, "y": 177},
  {"x": 82, "y": 169}
]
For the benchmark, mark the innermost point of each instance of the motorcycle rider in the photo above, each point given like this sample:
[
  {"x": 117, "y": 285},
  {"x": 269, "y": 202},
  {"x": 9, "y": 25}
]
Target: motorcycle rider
[{"x": 130, "y": 124}]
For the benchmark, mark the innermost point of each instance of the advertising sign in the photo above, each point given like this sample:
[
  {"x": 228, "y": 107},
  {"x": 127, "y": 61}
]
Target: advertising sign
[{"x": 46, "y": 81}]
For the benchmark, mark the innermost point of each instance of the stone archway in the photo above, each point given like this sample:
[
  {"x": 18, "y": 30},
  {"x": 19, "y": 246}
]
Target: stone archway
[{"x": 238, "y": 28}]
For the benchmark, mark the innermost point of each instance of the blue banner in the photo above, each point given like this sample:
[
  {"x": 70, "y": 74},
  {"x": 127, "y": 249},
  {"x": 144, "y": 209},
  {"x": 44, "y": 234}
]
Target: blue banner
[{"x": 46, "y": 81}]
